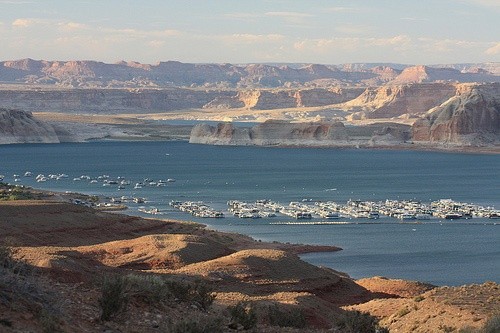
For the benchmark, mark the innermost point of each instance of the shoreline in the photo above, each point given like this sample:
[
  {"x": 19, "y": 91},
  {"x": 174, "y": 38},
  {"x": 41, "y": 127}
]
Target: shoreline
[{"x": 471, "y": 150}]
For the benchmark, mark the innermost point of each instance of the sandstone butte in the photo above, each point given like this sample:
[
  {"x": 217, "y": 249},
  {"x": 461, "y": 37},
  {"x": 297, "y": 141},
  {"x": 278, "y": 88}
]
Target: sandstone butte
[{"x": 61, "y": 251}]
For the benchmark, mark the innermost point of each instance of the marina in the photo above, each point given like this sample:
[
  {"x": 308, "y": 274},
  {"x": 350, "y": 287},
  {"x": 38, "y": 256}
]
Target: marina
[{"x": 386, "y": 209}]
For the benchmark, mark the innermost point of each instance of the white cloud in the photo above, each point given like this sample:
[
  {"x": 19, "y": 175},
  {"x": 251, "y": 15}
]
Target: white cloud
[
  {"x": 296, "y": 18},
  {"x": 73, "y": 26},
  {"x": 23, "y": 22},
  {"x": 252, "y": 38},
  {"x": 495, "y": 49}
]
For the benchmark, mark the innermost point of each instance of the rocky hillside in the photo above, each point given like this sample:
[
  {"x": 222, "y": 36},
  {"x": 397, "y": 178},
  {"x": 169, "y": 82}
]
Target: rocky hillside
[
  {"x": 21, "y": 127},
  {"x": 93, "y": 74},
  {"x": 70, "y": 268},
  {"x": 471, "y": 117},
  {"x": 283, "y": 133},
  {"x": 389, "y": 101}
]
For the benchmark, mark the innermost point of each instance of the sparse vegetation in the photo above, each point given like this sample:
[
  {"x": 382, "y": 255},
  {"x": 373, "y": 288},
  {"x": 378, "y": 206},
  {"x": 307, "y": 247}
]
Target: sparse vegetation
[
  {"x": 117, "y": 291},
  {"x": 286, "y": 318},
  {"x": 418, "y": 298},
  {"x": 492, "y": 325},
  {"x": 114, "y": 296},
  {"x": 356, "y": 321},
  {"x": 402, "y": 312},
  {"x": 197, "y": 324},
  {"x": 10, "y": 192},
  {"x": 243, "y": 315},
  {"x": 22, "y": 290}
]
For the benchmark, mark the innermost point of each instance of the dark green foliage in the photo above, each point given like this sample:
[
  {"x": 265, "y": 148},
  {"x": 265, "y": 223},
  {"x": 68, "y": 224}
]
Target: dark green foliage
[
  {"x": 355, "y": 321},
  {"x": 202, "y": 294},
  {"x": 148, "y": 289},
  {"x": 241, "y": 315},
  {"x": 117, "y": 291},
  {"x": 286, "y": 318},
  {"x": 9, "y": 192},
  {"x": 114, "y": 296}
]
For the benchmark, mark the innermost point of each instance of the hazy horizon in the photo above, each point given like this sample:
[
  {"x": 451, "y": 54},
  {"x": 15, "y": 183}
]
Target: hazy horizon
[{"x": 263, "y": 31}]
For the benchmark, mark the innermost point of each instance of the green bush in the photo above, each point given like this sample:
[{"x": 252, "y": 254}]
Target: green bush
[
  {"x": 283, "y": 318},
  {"x": 202, "y": 294},
  {"x": 114, "y": 296},
  {"x": 148, "y": 289},
  {"x": 243, "y": 315},
  {"x": 355, "y": 321},
  {"x": 117, "y": 291}
]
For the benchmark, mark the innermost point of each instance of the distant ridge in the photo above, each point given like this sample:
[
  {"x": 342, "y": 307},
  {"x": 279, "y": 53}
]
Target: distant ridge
[{"x": 95, "y": 74}]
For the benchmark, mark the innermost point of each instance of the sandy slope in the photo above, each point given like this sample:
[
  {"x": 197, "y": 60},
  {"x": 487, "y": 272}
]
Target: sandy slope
[{"x": 75, "y": 244}]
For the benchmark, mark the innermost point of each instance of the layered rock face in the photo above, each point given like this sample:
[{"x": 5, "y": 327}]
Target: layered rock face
[
  {"x": 21, "y": 127},
  {"x": 471, "y": 117},
  {"x": 114, "y": 101},
  {"x": 397, "y": 100},
  {"x": 107, "y": 101},
  {"x": 283, "y": 133}
]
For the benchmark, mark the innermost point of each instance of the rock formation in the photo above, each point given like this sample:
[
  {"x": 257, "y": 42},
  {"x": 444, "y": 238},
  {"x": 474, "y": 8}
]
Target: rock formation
[
  {"x": 472, "y": 117},
  {"x": 283, "y": 133},
  {"x": 420, "y": 74},
  {"x": 21, "y": 127},
  {"x": 397, "y": 100}
]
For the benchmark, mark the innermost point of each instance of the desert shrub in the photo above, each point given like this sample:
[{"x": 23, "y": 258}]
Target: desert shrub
[
  {"x": 180, "y": 290},
  {"x": 198, "y": 293},
  {"x": 355, "y": 321},
  {"x": 197, "y": 324},
  {"x": 117, "y": 291},
  {"x": 402, "y": 312},
  {"x": 202, "y": 294},
  {"x": 418, "y": 298},
  {"x": 114, "y": 296},
  {"x": 16, "y": 193},
  {"x": 243, "y": 315},
  {"x": 286, "y": 318},
  {"x": 492, "y": 325},
  {"x": 148, "y": 288},
  {"x": 446, "y": 328}
]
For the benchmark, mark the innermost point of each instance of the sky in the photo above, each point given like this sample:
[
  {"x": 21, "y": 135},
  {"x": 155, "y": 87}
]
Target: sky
[{"x": 255, "y": 31}]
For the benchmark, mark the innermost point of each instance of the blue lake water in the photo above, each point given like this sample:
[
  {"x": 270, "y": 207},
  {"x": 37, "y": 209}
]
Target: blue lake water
[{"x": 441, "y": 252}]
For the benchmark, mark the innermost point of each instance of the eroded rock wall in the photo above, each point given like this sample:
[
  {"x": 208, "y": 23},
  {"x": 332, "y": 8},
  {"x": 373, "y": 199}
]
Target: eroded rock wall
[
  {"x": 21, "y": 127},
  {"x": 471, "y": 117}
]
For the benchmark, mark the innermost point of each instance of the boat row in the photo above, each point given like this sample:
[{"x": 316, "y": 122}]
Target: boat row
[{"x": 197, "y": 208}]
